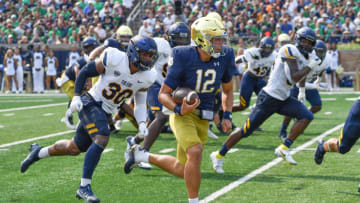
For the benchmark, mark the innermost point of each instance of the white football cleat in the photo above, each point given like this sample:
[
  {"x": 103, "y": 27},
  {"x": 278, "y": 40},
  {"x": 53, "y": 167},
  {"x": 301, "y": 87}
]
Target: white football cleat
[
  {"x": 145, "y": 166},
  {"x": 118, "y": 124},
  {"x": 283, "y": 151},
  {"x": 217, "y": 163},
  {"x": 212, "y": 135}
]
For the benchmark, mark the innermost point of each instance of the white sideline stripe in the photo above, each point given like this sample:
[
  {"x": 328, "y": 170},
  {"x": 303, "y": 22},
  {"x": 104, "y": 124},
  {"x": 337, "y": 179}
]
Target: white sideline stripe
[
  {"x": 4, "y": 149},
  {"x": 108, "y": 150},
  {"x": 48, "y": 114},
  {"x": 1, "y": 126},
  {"x": 33, "y": 107},
  {"x": 36, "y": 138},
  {"x": 18, "y": 101},
  {"x": 265, "y": 167},
  {"x": 328, "y": 99},
  {"x": 33, "y": 95},
  {"x": 352, "y": 99},
  {"x": 233, "y": 150},
  {"x": 328, "y": 113},
  {"x": 358, "y": 151},
  {"x": 163, "y": 151},
  {"x": 8, "y": 114}
]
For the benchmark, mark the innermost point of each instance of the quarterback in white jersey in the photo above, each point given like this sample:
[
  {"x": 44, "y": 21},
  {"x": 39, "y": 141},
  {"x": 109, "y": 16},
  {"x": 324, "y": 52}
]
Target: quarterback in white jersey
[
  {"x": 292, "y": 64},
  {"x": 259, "y": 62},
  {"x": 310, "y": 91},
  {"x": 122, "y": 75}
]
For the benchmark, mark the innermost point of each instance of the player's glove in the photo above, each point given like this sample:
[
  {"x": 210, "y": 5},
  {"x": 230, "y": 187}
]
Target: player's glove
[
  {"x": 301, "y": 96},
  {"x": 76, "y": 104},
  {"x": 143, "y": 131},
  {"x": 314, "y": 62}
]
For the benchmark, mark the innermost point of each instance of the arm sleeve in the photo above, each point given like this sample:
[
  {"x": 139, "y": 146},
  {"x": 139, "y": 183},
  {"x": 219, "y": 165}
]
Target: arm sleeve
[
  {"x": 89, "y": 70},
  {"x": 175, "y": 68},
  {"x": 140, "y": 106}
]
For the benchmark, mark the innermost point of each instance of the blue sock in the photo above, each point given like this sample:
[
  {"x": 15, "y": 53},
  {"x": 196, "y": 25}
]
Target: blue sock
[
  {"x": 91, "y": 159},
  {"x": 284, "y": 126},
  {"x": 224, "y": 149},
  {"x": 288, "y": 142}
]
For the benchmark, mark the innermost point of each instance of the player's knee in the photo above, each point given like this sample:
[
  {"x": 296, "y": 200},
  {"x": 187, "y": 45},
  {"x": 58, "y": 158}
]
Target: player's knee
[
  {"x": 73, "y": 149},
  {"x": 194, "y": 152},
  {"x": 315, "y": 109},
  {"x": 101, "y": 140},
  {"x": 308, "y": 115}
]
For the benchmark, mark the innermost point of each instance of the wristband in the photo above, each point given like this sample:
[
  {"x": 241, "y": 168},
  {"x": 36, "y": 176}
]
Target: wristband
[
  {"x": 177, "y": 109},
  {"x": 227, "y": 115}
]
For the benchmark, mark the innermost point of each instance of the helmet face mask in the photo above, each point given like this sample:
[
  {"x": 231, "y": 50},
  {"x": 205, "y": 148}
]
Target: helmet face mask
[
  {"x": 267, "y": 46},
  {"x": 142, "y": 52},
  {"x": 124, "y": 40},
  {"x": 123, "y": 35},
  {"x": 305, "y": 40}
]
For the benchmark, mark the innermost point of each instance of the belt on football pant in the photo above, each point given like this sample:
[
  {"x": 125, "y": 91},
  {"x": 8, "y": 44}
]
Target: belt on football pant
[{"x": 204, "y": 114}]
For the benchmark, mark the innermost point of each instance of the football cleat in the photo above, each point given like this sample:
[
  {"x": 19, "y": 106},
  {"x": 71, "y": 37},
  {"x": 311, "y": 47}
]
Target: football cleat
[
  {"x": 129, "y": 143},
  {"x": 217, "y": 163},
  {"x": 31, "y": 158},
  {"x": 282, "y": 135},
  {"x": 118, "y": 124},
  {"x": 212, "y": 135},
  {"x": 86, "y": 194},
  {"x": 283, "y": 151},
  {"x": 319, "y": 153},
  {"x": 68, "y": 119},
  {"x": 145, "y": 166},
  {"x": 137, "y": 154}
]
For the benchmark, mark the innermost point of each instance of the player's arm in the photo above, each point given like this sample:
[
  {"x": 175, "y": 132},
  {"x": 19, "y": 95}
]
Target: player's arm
[
  {"x": 227, "y": 99},
  {"x": 91, "y": 69},
  {"x": 240, "y": 59},
  {"x": 96, "y": 52}
]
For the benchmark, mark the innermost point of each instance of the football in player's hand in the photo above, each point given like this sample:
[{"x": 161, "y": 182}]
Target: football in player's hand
[{"x": 181, "y": 92}]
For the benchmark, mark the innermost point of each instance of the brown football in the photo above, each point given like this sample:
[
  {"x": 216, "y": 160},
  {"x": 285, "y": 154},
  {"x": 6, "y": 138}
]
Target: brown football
[{"x": 181, "y": 92}]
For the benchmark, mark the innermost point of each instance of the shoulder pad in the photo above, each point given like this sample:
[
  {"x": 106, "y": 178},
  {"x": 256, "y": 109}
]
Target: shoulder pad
[
  {"x": 111, "y": 43},
  {"x": 112, "y": 57},
  {"x": 252, "y": 54},
  {"x": 289, "y": 51},
  {"x": 163, "y": 46}
]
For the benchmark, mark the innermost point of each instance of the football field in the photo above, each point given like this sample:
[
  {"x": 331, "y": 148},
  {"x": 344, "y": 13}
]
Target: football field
[{"x": 252, "y": 172}]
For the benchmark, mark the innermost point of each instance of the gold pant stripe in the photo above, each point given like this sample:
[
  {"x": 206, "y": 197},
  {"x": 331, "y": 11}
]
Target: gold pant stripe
[
  {"x": 91, "y": 125},
  {"x": 93, "y": 131}
]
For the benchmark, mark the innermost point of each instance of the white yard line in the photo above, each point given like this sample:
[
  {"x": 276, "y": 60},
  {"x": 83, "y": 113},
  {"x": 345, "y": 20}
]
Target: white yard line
[
  {"x": 37, "y": 138},
  {"x": 265, "y": 167},
  {"x": 33, "y": 107},
  {"x": 167, "y": 150},
  {"x": 108, "y": 150},
  {"x": 21, "y": 101},
  {"x": 34, "y": 95}
]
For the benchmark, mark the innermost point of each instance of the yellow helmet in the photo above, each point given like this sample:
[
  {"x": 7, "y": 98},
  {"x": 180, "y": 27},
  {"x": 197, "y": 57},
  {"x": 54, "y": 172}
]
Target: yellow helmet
[
  {"x": 215, "y": 15},
  {"x": 123, "y": 35},
  {"x": 284, "y": 39},
  {"x": 203, "y": 30}
]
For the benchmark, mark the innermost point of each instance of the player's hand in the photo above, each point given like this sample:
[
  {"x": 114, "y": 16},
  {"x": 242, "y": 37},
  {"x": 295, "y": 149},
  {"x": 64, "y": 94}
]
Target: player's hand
[
  {"x": 143, "y": 130},
  {"x": 301, "y": 96},
  {"x": 76, "y": 104},
  {"x": 226, "y": 125},
  {"x": 187, "y": 108},
  {"x": 314, "y": 61}
]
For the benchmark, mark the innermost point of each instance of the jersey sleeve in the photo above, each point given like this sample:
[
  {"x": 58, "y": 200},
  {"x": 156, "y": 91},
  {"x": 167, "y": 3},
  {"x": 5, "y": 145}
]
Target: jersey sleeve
[
  {"x": 111, "y": 57},
  {"x": 81, "y": 62},
  {"x": 175, "y": 70},
  {"x": 230, "y": 68},
  {"x": 287, "y": 51}
]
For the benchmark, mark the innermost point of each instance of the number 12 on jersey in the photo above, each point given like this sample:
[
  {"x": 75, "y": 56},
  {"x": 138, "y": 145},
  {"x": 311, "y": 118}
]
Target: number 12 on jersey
[{"x": 202, "y": 85}]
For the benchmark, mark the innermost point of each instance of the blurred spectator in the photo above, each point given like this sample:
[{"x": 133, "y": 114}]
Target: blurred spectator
[
  {"x": 145, "y": 30},
  {"x": 100, "y": 31},
  {"x": 285, "y": 27},
  {"x": 73, "y": 56},
  {"x": 347, "y": 38}
]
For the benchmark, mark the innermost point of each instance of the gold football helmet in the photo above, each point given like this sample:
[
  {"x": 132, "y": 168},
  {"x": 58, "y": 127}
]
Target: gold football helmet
[
  {"x": 123, "y": 35},
  {"x": 204, "y": 30},
  {"x": 283, "y": 39},
  {"x": 215, "y": 15}
]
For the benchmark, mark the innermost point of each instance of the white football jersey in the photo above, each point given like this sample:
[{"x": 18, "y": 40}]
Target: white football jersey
[
  {"x": 312, "y": 76},
  {"x": 117, "y": 83},
  {"x": 38, "y": 59},
  {"x": 161, "y": 65},
  {"x": 279, "y": 84},
  {"x": 258, "y": 65}
]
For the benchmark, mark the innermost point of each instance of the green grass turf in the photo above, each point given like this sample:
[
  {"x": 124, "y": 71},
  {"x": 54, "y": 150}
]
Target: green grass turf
[{"x": 56, "y": 179}]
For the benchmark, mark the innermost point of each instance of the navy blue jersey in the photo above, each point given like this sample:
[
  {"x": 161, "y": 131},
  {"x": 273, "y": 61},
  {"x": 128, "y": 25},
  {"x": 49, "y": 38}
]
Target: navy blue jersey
[
  {"x": 113, "y": 43},
  {"x": 187, "y": 70},
  {"x": 70, "y": 72}
]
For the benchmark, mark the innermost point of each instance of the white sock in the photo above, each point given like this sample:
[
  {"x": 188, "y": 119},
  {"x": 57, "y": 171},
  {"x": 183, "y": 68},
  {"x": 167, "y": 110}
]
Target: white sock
[
  {"x": 44, "y": 152},
  {"x": 194, "y": 200},
  {"x": 85, "y": 182},
  {"x": 144, "y": 157}
]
